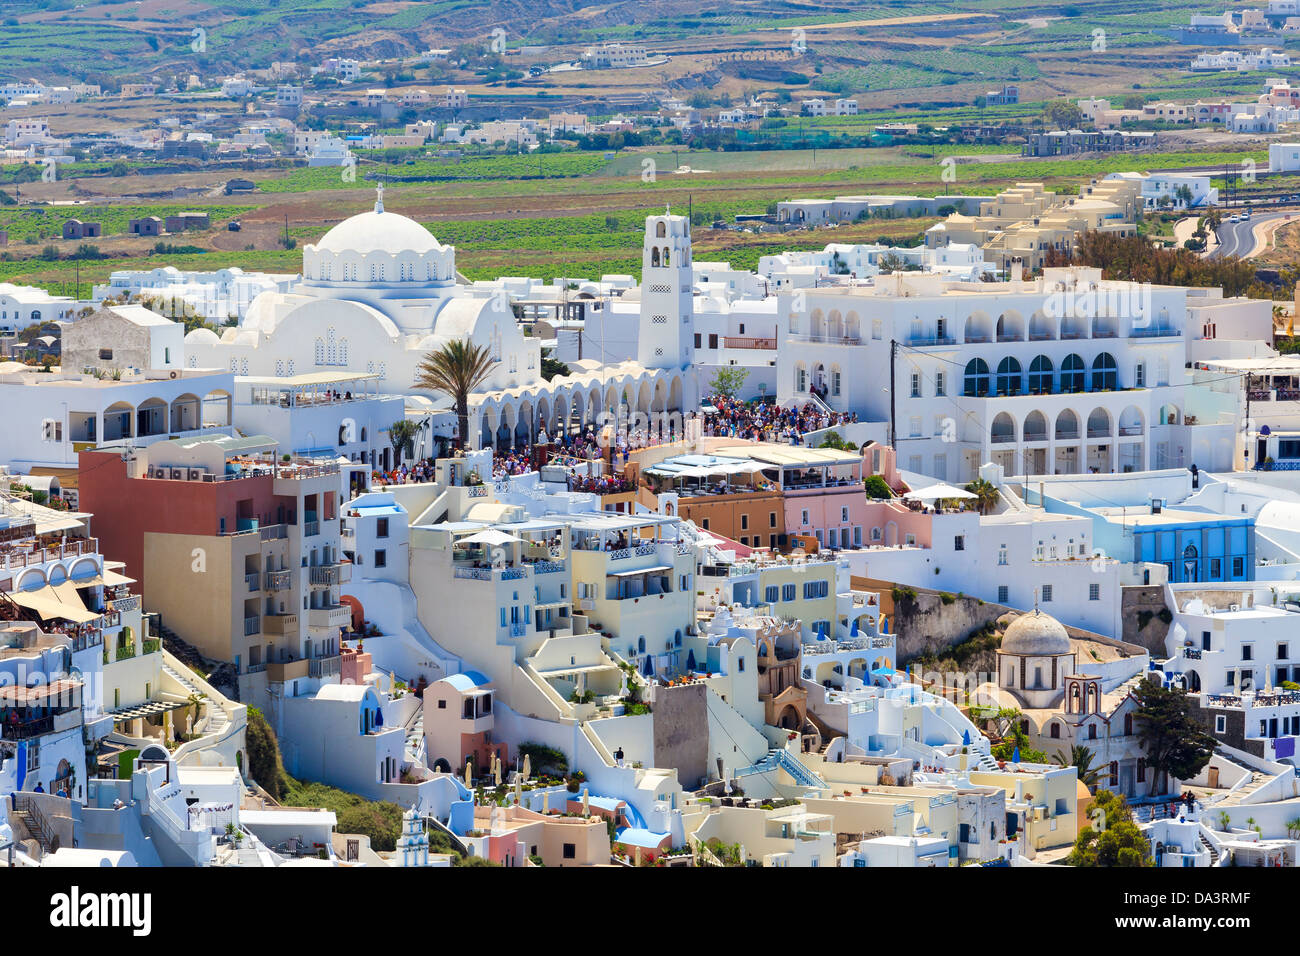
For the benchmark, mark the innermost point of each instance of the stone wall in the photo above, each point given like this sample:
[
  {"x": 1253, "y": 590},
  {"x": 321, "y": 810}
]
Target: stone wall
[
  {"x": 1133, "y": 603},
  {"x": 681, "y": 730}
]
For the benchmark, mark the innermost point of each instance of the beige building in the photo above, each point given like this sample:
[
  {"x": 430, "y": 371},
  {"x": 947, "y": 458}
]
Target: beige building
[{"x": 1027, "y": 221}]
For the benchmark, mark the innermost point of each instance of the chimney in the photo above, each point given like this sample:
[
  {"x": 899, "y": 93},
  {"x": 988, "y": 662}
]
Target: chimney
[{"x": 1017, "y": 269}]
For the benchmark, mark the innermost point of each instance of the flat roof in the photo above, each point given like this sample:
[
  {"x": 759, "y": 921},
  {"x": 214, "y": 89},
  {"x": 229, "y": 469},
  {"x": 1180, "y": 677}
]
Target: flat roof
[
  {"x": 306, "y": 380},
  {"x": 793, "y": 456}
]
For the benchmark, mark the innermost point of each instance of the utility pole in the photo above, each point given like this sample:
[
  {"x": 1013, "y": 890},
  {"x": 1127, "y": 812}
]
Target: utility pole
[{"x": 893, "y": 355}]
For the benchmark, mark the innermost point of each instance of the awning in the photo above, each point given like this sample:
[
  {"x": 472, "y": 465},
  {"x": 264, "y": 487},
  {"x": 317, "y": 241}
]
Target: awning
[
  {"x": 488, "y": 536},
  {"x": 45, "y": 602},
  {"x": 66, "y": 592},
  {"x": 149, "y": 709},
  {"x": 654, "y": 570},
  {"x": 108, "y": 579}
]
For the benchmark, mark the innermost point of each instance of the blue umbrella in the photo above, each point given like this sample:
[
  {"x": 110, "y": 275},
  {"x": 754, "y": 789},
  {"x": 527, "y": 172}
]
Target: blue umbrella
[
  {"x": 853, "y": 631},
  {"x": 965, "y": 738},
  {"x": 1015, "y": 757}
]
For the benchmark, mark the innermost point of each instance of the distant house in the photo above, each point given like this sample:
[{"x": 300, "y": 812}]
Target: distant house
[
  {"x": 184, "y": 221},
  {"x": 1007, "y": 96},
  {"x": 76, "y": 229},
  {"x": 240, "y": 186},
  {"x": 146, "y": 226}
]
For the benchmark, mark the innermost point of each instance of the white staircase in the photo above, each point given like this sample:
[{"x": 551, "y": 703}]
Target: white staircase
[
  {"x": 217, "y": 717},
  {"x": 415, "y": 734}
]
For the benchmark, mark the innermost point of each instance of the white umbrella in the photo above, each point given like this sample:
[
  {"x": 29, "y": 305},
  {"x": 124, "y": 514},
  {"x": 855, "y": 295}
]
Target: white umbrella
[
  {"x": 488, "y": 536},
  {"x": 939, "y": 491}
]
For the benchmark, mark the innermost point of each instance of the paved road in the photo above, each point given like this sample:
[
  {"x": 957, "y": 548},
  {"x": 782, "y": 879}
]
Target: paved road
[{"x": 1238, "y": 238}]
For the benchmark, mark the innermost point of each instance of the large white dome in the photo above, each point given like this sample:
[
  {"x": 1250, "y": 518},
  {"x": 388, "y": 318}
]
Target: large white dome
[{"x": 379, "y": 232}]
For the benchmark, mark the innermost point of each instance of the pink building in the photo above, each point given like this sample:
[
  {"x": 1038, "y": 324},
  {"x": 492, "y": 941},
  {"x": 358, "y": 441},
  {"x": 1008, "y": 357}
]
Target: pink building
[{"x": 458, "y": 723}]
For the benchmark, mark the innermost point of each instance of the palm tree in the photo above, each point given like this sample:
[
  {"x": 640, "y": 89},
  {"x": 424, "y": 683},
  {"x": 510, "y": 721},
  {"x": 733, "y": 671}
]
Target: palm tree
[
  {"x": 985, "y": 492},
  {"x": 1081, "y": 759},
  {"x": 401, "y": 435},
  {"x": 456, "y": 369}
]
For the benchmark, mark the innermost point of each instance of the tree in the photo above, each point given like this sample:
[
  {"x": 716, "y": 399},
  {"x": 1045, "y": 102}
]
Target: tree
[
  {"x": 1081, "y": 759},
  {"x": 877, "y": 487},
  {"x": 1017, "y": 740},
  {"x": 552, "y": 367},
  {"x": 1119, "y": 843},
  {"x": 401, "y": 435},
  {"x": 728, "y": 380},
  {"x": 1174, "y": 740},
  {"x": 1134, "y": 101},
  {"x": 264, "y": 764},
  {"x": 456, "y": 369},
  {"x": 1063, "y": 114},
  {"x": 985, "y": 492}
]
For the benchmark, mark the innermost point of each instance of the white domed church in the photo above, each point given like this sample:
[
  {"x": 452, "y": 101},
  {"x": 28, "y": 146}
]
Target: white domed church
[
  {"x": 1063, "y": 706},
  {"x": 378, "y": 292}
]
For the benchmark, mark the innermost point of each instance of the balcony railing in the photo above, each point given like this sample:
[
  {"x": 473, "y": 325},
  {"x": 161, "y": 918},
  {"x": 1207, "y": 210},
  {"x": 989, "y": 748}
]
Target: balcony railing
[
  {"x": 26, "y": 729},
  {"x": 331, "y": 575},
  {"x": 279, "y": 580},
  {"x": 1149, "y": 333},
  {"x": 129, "y": 603},
  {"x": 324, "y": 666},
  {"x": 1192, "y": 653},
  {"x": 253, "y": 580},
  {"x": 279, "y": 623},
  {"x": 936, "y": 340},
  {"x": 747, "y": 342},
  {"x": 151, "y": 645},
  {"x": 251, "y": 625},
  {"x": 125, "y": 653},
  {"x": 310, "y": 529}
]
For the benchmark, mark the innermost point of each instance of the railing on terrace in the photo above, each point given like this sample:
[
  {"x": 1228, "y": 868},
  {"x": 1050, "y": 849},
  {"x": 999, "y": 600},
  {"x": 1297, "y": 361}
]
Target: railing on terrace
[
  {"x": 937, "y": 340},
  {"x": 1149, "y": 333},
  {"x": 126, "y": 653},
  {"x": 26, "y": 729},
  {"x": 518, "y": 629},
  {"x": 829, "y": 339},
  {"x": 324, "y": 666},
  {"x": 1192, "y": 653},
  {"x": 22, "y": 556},
  {"x": 747, "y": 342},
  {"x": 151, "y": 645},
  {"x": 129, "y": 603},
  {"x": 547, "y": 567},
  {"x": 274, "y": 531}
]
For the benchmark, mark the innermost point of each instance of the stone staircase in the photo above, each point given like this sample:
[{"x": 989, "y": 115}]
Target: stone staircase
[
  {"x": 1214, "y": 854},
  {"x": 29, "y": 822}
]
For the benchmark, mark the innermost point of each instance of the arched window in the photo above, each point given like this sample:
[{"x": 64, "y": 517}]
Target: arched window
[
  {"x": 1072, "y": 374},
  {"x": 661, "y": 229},
  {"x": 1009, "y": 376},
  {"x": 1104, "y": 377},
  {"x": 977, "y": 377},
  {"x": 1040, "y": 376},
  {"x": 654, "y": 256},
  {"x": 666, "y": 262}
]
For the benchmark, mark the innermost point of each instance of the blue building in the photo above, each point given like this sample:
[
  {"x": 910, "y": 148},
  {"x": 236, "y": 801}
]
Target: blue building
[{"x": 1196, "y": 546}]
